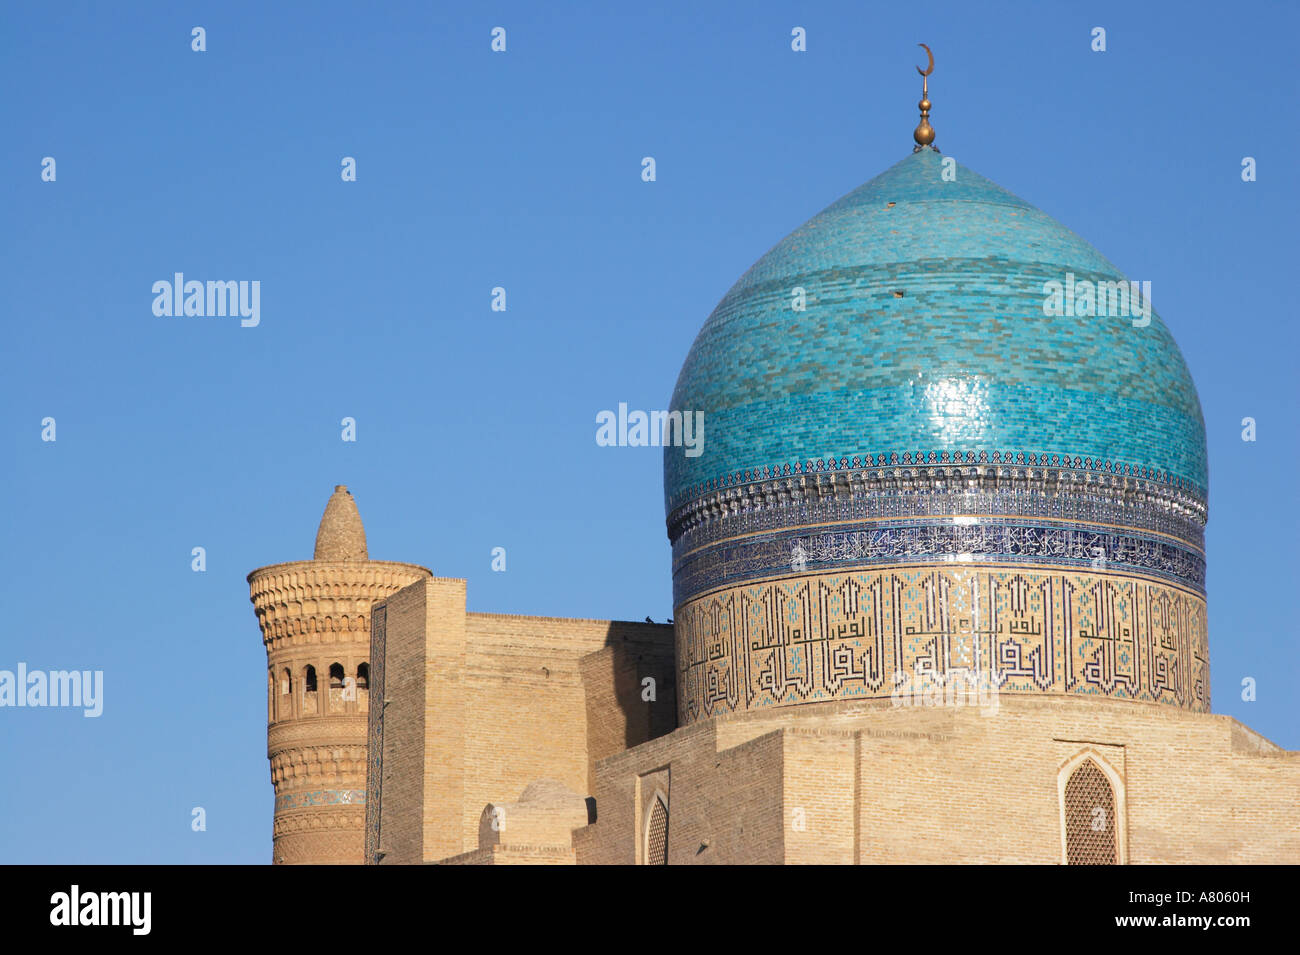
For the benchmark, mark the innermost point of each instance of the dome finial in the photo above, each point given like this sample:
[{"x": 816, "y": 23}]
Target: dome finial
[{"x": 924, "y": 133}]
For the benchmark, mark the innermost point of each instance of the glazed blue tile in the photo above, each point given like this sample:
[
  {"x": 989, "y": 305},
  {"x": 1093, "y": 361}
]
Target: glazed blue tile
[{"x": 965, "y": 360}]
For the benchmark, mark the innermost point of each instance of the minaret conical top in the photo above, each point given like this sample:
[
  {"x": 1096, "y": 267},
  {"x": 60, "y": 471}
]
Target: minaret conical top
[{"x": 341, "y": 535}]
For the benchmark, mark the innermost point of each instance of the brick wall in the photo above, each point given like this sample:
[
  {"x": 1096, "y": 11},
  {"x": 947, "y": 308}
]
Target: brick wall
[
  {"x": 725, "y": 807},
  {"x": 942, "y": 785},
  {"x": 529, "y": 709},
  {"x": 506, "y": 701},
  {"x": 401, "y": 808}
]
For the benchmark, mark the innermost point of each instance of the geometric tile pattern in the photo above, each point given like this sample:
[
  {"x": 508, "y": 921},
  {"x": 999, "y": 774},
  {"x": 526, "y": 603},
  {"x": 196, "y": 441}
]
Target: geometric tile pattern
[
  {"x": 862, "y": 634},
  {"x": 989, "y": 541},
  {"x": 321, "y": 797},
  {"x": 864, "y": 517}
]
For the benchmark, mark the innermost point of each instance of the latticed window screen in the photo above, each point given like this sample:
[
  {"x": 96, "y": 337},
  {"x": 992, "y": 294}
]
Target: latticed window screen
[
  {"x": 657, "y": 835},
  {"x": 1090, "y": 818}
]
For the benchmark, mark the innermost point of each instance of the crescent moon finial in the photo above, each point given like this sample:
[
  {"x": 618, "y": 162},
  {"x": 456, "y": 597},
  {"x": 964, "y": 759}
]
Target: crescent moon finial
[
  {"x": 929, "y": 69},
  {"x": 924, "y": 132}
]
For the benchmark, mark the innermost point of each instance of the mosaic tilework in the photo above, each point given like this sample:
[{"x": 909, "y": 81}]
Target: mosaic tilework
[
  {"x": 865, "y": 545},
  {"x": 859, "y": 517},
  {"x": 934, "y": 492},
  {"x": 942, "y": 471},
  {"x": 321, "y": 797},
  {"x": 847, "y": 636},
  {"x": 375, "y": 729},
  {"x": 924, "y": 331}
]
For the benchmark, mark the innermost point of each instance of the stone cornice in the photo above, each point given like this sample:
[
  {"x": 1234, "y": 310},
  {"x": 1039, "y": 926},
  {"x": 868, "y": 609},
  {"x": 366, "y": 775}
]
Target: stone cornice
[
  {"x": 308, "y": 767},
  {"x": 341, "y": 568},
  {"x": 309, "y": 601},
  {"x": 331, "y": 730},
  {"x": 316, "y": 818}
]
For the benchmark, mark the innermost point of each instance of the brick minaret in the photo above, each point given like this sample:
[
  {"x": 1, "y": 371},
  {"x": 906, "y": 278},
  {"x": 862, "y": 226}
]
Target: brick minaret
[{"x": 315, "y": 620}]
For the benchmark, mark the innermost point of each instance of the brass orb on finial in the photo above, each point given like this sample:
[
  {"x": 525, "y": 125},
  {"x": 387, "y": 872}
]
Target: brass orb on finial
[{"x": 924, "y": 134}]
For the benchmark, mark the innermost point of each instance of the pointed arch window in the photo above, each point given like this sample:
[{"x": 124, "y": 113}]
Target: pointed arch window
[
  {"x": 1092, "y": 812},
  {"x": 656, "y": 833}
]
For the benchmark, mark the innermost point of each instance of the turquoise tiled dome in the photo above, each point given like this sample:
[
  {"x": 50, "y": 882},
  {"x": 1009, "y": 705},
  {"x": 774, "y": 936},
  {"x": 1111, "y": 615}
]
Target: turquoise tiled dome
[{"x": 924, "y": 331}]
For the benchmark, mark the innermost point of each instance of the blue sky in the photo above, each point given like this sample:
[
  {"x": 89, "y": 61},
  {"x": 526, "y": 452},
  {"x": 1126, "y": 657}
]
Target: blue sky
[{"x": 476, "y": 428}]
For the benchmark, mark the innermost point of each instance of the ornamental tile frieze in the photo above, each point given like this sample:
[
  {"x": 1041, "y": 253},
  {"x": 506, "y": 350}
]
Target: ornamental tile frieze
[
  {"x": 861, "y": 635},
  {"x": 984, "y": 540}
]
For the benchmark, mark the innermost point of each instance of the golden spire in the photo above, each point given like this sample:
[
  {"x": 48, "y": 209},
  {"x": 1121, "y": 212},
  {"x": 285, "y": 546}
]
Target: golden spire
[{"x": 924, "y": 134}]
